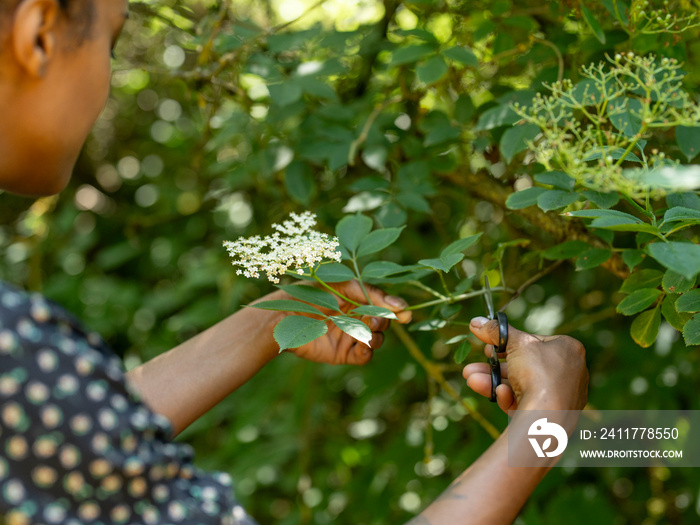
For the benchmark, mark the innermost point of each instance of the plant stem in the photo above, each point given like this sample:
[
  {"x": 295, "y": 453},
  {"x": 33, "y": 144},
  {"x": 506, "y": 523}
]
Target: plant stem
[
  {"x": 359, "y": 279},
  {"x": 444, "y": 284},
  {"x": 333, "y": 290},
  {"x": 434, "y": 371},
  {"x": 457, "y": 298},
  {"x": 428, "y": 289},
  {"x": 530, "y": 281}
]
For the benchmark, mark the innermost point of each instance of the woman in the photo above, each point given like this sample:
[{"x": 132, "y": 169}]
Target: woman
[{"x": 84, "y": 442}]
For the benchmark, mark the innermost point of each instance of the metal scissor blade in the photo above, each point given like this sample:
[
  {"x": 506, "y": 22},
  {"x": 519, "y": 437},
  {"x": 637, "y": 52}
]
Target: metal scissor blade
[{"x": 489, "y": 298}]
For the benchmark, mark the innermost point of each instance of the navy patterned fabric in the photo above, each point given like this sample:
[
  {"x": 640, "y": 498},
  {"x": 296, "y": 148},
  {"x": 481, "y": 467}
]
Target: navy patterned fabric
[{"x": 77, "y": 446}]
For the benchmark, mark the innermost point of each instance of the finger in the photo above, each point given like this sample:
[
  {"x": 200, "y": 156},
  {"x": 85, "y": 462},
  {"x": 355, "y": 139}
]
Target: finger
[
  {"x": 480, "y": 383},
  {"x": 483, "y": 368},
  {"x": 505, "y": 397},
  {"x": 487, "y": 331},
  {"x": 376, "y": 324},
  {"x": 488, "y": 351},
  {"x": 359, "y": 354},
  {"x": 390, "y": 302},
  {"x": 377, "y": 340}
]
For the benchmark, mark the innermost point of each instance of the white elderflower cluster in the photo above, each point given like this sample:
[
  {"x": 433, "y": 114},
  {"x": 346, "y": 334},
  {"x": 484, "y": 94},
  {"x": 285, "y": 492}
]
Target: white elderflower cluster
[{"x": 294, "y": 244}]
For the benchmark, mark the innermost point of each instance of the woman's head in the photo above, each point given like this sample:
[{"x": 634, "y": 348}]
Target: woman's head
[{"x": 54, "y": 81}]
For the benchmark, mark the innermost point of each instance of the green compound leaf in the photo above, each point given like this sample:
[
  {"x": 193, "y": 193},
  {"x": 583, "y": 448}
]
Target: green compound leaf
[
  {"x": 602, "y": 200},
  {"x": 462, "y": 352},
  {"x": 312, "y": 295},
  {"x": 352, "y": 229},
  {"x": 624, "y": 114},
  {"x": 524, "y": 198},
  {"x": 299, "y": 182},
  {"x": 456, "y": 339},
  {"x": 681, "y": 257},
  {"x": 675, "y": 283},
  {"x": 680, "y": 213},
  {"x": 612, "y": 152},
  {"x": 432, "y": 70},
  {"x": 691, "y": 331},
  {"x": 463, "y": 55},
  {"x": 379, "y": 269},
  {"x": 515, "y": 140},
  {"x": 408, "y": 54},
  {"x": 642, "y": 279},
  {"x": 623, "y": 224},
  {"x": 645, "y": 327},
  {"x": 675, "y": 319},
  {"x": 502, "y": 115},
  {"x": 593, "y": 23},
  {"x": 294, "y": 331},
  {"x": 595, "y": 214},
  {"x": 375, "y": 311},
  {"x": 460, "y": 245},
  {"x": 688, "y": 140},
  {"x": 592, "y": 258},
  {"x": 555, "y": 199},
  {"x": 287, "y": 305},
  {"x": 334, "y": 273},
  {"x": 638, "y": 301},
  {"x": 353, "y": 327},
  {"x": 566, "y": 250},
  {"x": 378, "y": 240},
  {"x": 428, "y": 325},
  {"x": 689, "y": 302},
  {"x": 633, "y": 258},
  {"x": 558, "y": 179},
  {"x": 442, "y": 264}
]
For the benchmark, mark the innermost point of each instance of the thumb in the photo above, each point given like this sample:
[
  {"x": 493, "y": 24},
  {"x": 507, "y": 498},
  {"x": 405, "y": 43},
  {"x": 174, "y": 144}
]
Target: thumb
[{"x": 487, "y": 331}]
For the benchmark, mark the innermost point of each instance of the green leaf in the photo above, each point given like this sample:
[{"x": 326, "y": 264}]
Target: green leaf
[
  {"x": 675, "y": 283},
  {"x": 378, "y": 240},
  {"x": 645, "y": 327},
  {"x": 558, "y": 179},
  {"x": 285, "y": 94},
  {"x": 555, "y": 199},
  {"x": 613, "y": 152},
  {"x": 515, "y": 140},
  {"x": 524, "y": 198},
  {"x": 595, "y": 214},
  {"x": 624, "y": 113},
  {"x": 429, "y": 325},
  {"x": 642, "y": 279},
  {"x": 593, "y": 23},
  {"x": 462, "y": 352},
  {"x": 602, "y": 200},
  {"x": 464, "y": 109},
  {"x": 287, "y": 305},
  {"x": 638, "y": 301},
  {"x": 375, "y": 157},
  {"x": 463, "y": 55},
  {"x": 374, "y": 311},
  {"x": 460, "y": 245},
  {"x": 684, "y": 200},
  {"x": 675, "y": 319},
  {"x": 334, "y": 273},
  {"x": 294, "y": 331},
  {"x": 689, "y": 302},
  {"x": 623, "y": 224},
  {"x": 565, "y": 250},
  {"x": 592, "y": 258},
  {"x": 502, "y": 115},
  {"x": 691, "y": 331},
  {"x": 353, "y": 327},
  {"x": 680, "y": 213},
  {"x": 408, "y": 54},
  {"x": 299, "y": 182},
  {"x": 633, "y": 258},
  {"x": 688, "y": 139},
  {"x": 456, "y": 339},
  {"x": 379, "y": 269},
  {"x": 432, "y": 70},
  {"x": 352, "y": 229},
  {"x": 442, "y": 264},
  {"x": 681, "y": 257},
  {"x": 464, "y": 285},
  {"x": 311, "y": 294}
]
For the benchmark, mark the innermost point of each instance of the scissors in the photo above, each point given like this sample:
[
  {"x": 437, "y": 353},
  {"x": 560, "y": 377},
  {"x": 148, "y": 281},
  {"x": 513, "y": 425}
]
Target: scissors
[{"x": 502, "y": 340}]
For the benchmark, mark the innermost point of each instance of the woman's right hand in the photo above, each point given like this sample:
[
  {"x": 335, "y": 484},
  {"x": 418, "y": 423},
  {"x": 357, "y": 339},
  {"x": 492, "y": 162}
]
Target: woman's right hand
[{"x": 539, "y": 372}]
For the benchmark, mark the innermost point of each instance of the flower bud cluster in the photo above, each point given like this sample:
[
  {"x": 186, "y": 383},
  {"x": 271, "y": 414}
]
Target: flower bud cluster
[{"x": 294, "y": 245}]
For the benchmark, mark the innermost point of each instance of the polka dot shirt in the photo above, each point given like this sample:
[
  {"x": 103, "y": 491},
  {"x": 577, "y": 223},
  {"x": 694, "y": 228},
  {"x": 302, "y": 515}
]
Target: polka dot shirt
[{"x": 76, "y": 445}]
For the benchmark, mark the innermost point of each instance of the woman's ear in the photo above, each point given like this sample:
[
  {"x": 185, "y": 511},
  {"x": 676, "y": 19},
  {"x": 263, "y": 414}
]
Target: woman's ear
[{"x": 33, "y": 30}]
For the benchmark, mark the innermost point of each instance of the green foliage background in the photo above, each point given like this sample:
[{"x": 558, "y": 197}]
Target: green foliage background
[{"x": 226, "y": 116}]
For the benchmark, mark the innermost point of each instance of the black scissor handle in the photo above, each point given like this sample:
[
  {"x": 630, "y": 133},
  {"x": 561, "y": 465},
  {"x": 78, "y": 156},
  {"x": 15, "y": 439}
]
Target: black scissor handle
[{"x": 501, "y": 347}]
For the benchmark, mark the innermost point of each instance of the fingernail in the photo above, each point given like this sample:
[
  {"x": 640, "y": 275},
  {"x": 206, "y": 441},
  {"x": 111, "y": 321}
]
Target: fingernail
[
  {"x": 478, "y": 322},
  {"x": 395, "y": 301},
  {"x": 374, "y": 323}
]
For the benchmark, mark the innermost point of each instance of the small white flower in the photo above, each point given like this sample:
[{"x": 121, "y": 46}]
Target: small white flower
[{"x": 294, "y": 244}]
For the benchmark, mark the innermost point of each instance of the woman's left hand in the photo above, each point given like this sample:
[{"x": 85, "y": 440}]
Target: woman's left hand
[{"x": 338, "y": 348}]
